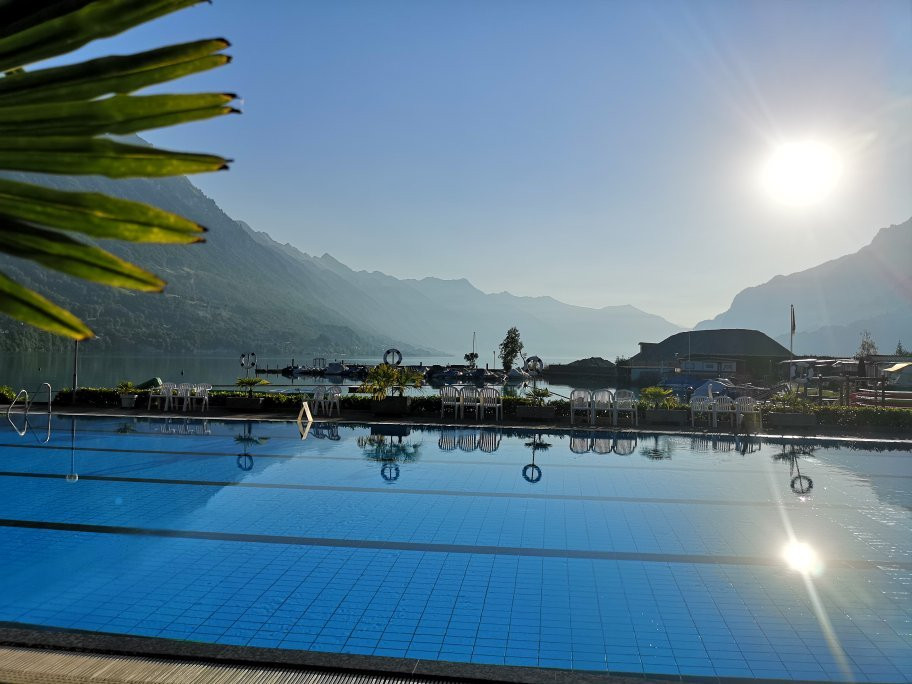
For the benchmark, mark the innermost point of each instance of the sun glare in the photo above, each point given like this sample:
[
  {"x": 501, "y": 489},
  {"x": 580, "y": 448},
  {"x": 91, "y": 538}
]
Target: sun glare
[
  {"x": 802, "y": 558},
  {"x": 802, "y": 173}
]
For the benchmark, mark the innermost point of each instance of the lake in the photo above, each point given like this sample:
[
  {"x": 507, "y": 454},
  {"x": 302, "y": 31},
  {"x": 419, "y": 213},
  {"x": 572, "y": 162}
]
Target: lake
[{"x": 30, "y": 369}]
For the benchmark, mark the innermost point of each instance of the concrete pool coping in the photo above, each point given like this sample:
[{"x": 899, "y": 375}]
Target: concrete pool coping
[
  {"x": 339, "y": 664},
  {"x": 897, "y": 438}
]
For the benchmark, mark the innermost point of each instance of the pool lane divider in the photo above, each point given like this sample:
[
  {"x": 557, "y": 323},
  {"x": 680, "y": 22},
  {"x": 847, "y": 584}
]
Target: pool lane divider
[
  {"x": 421, "y": 492},
  {"x": 362, "y": 544}
]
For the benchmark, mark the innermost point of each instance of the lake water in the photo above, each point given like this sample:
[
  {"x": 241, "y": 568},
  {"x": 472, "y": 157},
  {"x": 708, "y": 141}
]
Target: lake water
[{"x": 29, "y": 370}]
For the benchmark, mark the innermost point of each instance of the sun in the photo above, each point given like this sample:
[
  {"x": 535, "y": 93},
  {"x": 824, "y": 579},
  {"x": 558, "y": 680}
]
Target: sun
[{"x": 802, "y": 174}]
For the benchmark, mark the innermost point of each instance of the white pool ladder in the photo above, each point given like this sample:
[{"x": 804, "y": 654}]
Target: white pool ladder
[{"x": 27, "y": 407}]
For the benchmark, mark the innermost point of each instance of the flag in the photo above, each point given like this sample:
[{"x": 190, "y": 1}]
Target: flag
[{"x": 793, "y": 319}]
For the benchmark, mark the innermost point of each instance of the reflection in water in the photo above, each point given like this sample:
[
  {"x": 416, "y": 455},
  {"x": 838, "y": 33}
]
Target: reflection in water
[
  {"x": 582, "y": 442},
  {"x": 660, "y": 449},
  {"x": 247, "y": 440},
  {"x": 531, "y": 472},
  {"x": 800, "y": 484},
  {"x": 388, "y": 445},
  {"x": 484, "y": 439}
]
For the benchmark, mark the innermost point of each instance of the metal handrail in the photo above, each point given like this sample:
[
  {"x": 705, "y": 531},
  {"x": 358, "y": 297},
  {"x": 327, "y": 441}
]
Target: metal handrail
[
  {"x": 18, "y": 394},
  {"x": 28, "y": 405}
]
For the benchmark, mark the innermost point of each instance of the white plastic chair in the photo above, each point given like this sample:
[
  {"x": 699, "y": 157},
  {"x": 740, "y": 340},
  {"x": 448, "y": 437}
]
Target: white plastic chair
[
  {"x": 602, "y": 400},
  {"x": 470, "y": 399},
  {"x": 625, "y": 444},
  {"x": 700, "y": 406},
  {"x": 580, "y": 402},
  {"x": 332, "y": 396},
  {"x": 200, "y": 396},
  {"x": 625, "y": 402},
  {"x": 491, "y": 399},
  {"x": 165, "y": 392},
  {"x": 319, "y": 397},
  {"x": 450, "y": 398},
  {"x": 468, "y": 441},
  {"x": 184, "y": 395},
  {"x": 723, "y": 406},
  {"x": 746, "y": 406},
  {"x": 602, "y": 444}
]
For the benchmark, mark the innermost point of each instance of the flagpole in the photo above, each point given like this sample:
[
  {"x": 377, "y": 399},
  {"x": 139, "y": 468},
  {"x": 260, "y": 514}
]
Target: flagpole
[{"x": 792, "y": 331}]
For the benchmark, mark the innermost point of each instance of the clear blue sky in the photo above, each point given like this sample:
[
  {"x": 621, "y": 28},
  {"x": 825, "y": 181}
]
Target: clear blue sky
[{"x": 598, "y": 152}]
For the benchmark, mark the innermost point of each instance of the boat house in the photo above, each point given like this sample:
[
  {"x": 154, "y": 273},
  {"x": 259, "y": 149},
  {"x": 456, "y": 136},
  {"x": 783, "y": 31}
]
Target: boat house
[{"x": 739, "y": 354}]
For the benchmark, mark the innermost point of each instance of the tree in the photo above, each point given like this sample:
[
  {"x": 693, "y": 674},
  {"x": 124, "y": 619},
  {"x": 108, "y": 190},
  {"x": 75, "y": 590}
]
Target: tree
[
  {"x": 901, "y": 350},
  {"x": 510, "y": 348},
  {"x": 59, "y": 119},
  {"x": 867, "y": 347},
  {"x": 471, "y": 358}
]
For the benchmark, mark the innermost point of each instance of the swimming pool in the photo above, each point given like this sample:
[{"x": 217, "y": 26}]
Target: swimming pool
[{"x": 588, "y": 552}]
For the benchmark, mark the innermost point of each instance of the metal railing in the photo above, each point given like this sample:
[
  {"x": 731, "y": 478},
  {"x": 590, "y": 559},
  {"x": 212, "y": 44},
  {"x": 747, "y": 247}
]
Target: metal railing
[{"x": 27, "y": 405}]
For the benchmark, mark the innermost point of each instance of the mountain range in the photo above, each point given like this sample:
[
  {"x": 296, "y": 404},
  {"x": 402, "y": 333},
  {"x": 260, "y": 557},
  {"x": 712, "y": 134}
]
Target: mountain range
[
  {"x": 241, "y": 290},
  {"x": 835, "y": 302}
]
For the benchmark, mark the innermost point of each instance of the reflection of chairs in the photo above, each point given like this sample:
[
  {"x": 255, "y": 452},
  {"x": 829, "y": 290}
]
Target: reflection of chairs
[
  {"x": 450, "y": 398},
  {"x": 580, "y": 402},
  {"x": 468, "y": 441},
  {"x": 625, "y": 402},
  {"x": 722, "y": 443},
  {"x": 701, "y": 443},
  {"x": 601, "y": 401},
  {"x": 701, "y": 406},
  {"x": 489, "y": 441},
  {"x": 470, "y": 400},
  {"x": 602, "y": 444},
  {"x": 490, "y": 399},
  {"x": 448, "y": 440},
  {"x": 725, "y": 407},
  {"x": 580, "y": 443},
  {"x": 625, "y": 444}
]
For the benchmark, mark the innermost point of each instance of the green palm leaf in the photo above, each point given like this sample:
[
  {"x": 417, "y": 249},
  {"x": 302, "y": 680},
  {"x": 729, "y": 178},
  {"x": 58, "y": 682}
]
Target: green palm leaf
[
  {"x": 95, "y": 214},
  {"x": 122, "y": 74},
  {"x": 63, "y": 253},
  {"x": 120, "y": 114},
  {"x": 51, "y": 121},
  {"x": 29, "y": 306},
  {"x": 82, "y": 155}
]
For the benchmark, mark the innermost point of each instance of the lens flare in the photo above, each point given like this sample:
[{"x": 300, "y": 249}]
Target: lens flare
[{"x": 802, "y": 558}]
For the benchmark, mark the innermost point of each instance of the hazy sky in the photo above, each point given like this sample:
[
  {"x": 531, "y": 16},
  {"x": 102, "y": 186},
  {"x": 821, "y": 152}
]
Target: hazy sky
[{"x": 599, "y": 152}]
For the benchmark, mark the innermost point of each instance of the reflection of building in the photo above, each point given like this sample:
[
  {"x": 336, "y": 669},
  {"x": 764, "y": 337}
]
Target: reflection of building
[{"x": 700, "y": 354}]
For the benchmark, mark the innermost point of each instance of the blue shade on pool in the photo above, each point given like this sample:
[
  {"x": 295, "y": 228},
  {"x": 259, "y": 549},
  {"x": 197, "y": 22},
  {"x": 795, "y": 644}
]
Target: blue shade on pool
[{"x": 656, "y": 554}]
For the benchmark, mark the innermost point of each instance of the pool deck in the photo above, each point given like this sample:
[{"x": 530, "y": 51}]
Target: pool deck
[{"x": 349, "y": 417}]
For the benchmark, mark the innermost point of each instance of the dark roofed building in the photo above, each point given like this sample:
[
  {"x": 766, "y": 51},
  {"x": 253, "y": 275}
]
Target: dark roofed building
[{"x": 745, "y": 354}]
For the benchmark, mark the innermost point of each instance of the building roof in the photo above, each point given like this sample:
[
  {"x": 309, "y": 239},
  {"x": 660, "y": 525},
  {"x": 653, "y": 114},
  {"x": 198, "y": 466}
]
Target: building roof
[{"x": 729, "y": 343}]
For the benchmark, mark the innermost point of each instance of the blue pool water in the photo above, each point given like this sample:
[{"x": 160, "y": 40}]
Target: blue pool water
[{"x": 656, "y": 554}]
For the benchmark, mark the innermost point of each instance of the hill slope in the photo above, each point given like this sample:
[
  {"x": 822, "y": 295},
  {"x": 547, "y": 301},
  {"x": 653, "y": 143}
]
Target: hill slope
[
  {"x": 868, "y": 290},
  {"x": 243, "y": 290}
]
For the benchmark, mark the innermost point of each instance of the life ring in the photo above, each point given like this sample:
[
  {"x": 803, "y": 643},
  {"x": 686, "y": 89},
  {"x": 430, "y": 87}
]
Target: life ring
[
  {"x": 802, "y": 484},
  {"x": 245, "y": 462},
  {"x": 394, "y": 354},
  {"x": 532, "y": 473},
  {"x": 534, "y": 364},
  {"x": 248, "y": 360},
  {"x": 389, "y": 472}
]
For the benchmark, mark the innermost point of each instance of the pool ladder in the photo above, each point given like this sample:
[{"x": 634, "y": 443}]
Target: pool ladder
[{"x": 28, "y": 405}]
